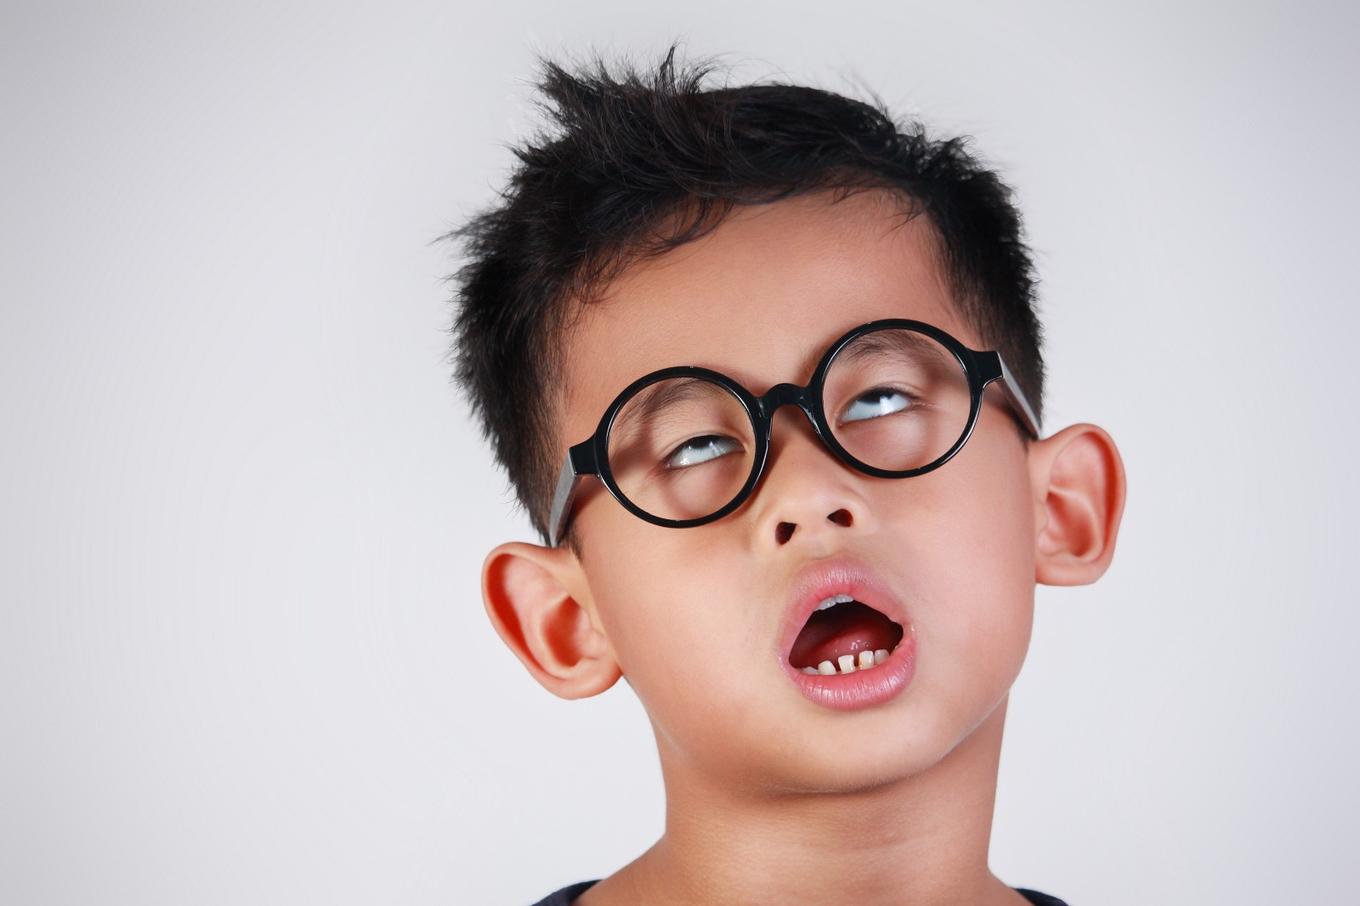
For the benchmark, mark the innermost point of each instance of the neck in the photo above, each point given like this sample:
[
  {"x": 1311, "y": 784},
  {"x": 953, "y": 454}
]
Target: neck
[{"x": 921, "y": 839}]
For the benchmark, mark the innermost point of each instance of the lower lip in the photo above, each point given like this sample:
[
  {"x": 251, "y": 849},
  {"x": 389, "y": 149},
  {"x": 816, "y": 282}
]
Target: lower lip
[{"x": 863, "y": 688}]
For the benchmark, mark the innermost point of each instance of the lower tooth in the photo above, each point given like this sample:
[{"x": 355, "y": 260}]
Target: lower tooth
[{"x": 848, "y": 664}]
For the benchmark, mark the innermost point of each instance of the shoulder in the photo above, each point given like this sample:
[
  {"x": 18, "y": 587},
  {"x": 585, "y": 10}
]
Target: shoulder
[{"x": 566, "y": 895}]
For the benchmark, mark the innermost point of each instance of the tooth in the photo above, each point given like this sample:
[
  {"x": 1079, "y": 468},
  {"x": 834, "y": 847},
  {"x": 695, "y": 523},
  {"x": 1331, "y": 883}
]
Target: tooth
[
  {"x": 847, "y": 662},
  {"x": 810, "y": 670},
  {"x": 828, "y": 603},
  {"x": 880, "y": 655},
  {"x": 866, "y": 659},
  {"x": 826, "y": 668}
]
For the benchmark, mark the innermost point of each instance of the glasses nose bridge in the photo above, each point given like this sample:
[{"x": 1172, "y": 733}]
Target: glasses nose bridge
[{"x": 786, "y": 395}]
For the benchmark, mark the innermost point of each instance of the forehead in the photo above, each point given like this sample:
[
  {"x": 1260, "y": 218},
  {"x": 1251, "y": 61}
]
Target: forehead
[{"x": 758, "y": 298}]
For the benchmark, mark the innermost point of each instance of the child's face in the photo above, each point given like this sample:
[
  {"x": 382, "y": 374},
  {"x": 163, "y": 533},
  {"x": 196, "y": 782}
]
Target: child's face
[{"x": 695, "y": 616}]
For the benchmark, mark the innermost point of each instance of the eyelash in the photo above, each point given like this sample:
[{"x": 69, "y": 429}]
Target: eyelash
[{"x": 665, "y": 462}]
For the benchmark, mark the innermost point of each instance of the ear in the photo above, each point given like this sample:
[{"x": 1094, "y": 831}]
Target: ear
[
  {"x": 1078, "y": 481},
  {"x": 534, "y": 597}
]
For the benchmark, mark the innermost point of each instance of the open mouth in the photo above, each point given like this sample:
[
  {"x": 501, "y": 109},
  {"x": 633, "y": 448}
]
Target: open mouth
[{"x": 844, "y": 635}]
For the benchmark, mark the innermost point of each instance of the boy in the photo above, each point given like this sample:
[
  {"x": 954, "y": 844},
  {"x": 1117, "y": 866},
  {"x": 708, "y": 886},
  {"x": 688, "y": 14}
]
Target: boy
[{"x": 766, "y": 375}]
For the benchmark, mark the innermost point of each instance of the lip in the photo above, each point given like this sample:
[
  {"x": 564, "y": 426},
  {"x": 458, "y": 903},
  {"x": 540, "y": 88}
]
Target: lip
[{"x": 863, "y": 688}]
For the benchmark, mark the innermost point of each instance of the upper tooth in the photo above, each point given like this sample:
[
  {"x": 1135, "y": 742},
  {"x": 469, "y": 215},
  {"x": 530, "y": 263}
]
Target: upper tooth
[{"x": 834, "y": 600}]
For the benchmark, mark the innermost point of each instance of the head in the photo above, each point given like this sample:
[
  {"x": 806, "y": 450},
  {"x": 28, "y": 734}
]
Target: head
[{"x": 743, "y": 230}]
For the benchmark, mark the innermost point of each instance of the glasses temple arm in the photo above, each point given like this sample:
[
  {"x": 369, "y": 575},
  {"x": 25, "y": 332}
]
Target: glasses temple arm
[
  {"x": 1011, "y": 387},
  {"x": 580, "y": 461}
]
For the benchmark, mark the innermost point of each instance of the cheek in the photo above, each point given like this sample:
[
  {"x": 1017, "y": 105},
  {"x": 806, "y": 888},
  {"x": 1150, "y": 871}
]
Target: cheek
[
  {"x": 689, "y": 641},
  {"x": 671, "y": 626},
  {"x": 978, "y": 610}
]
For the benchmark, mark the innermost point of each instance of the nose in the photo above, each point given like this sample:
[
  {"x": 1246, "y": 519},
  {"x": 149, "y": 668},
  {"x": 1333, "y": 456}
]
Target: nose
[{"x": 807, "y": 493}]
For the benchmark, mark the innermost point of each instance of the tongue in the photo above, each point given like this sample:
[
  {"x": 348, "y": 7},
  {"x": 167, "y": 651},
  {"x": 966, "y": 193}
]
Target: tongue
[{"x": 843, "y": 629}]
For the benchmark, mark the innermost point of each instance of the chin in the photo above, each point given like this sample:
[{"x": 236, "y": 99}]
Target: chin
[{"x": 842, "y": 766}]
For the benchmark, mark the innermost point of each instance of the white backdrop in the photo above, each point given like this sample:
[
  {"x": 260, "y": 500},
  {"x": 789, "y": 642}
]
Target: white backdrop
[{"x": 243, "y": 657}]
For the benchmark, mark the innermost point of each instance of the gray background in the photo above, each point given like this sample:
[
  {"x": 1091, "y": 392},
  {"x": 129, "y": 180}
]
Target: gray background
[{"x": 243, "y": 657}]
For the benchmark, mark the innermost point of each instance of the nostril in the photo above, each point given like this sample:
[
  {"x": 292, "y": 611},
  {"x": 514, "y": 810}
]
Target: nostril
[{"x": 783, "y": 531}]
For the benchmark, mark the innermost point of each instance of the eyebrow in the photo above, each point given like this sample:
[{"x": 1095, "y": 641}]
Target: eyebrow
[
  {"x": 877, "y": 343},
  {"x": 881, "y": 341},
  {"x": 643, "y": 408}
]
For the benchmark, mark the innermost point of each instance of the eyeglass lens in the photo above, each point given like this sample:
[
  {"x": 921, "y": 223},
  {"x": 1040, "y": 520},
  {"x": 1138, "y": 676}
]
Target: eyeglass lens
[{"x": 683, "y": 448}]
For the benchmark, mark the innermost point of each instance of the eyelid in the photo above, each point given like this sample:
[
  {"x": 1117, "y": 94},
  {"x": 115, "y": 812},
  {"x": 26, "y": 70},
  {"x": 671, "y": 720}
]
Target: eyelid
[
  {"x": 911, "y": 398},
  {"x": 665, "y": 460}
]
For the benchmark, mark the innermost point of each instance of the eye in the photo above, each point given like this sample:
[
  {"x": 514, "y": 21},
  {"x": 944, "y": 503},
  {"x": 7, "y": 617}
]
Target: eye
[
  {"x": 702, "y": 449},
  {"x": 875, "y": 403}
]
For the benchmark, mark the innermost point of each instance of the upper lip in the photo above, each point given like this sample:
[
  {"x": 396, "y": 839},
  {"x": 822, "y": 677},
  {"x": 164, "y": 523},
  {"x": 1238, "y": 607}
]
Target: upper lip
[{"x": 822, "y": 578}]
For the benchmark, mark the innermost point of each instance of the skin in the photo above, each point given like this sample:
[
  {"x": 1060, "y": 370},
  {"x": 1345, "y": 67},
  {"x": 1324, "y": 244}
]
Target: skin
[{"x": 771, "y": 798}]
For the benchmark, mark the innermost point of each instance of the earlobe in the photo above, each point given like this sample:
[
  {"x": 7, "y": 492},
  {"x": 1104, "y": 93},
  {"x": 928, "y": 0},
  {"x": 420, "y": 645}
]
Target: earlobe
[
  {"x": 1079, "y": 487},
  {"x": 528, "y": 593}
]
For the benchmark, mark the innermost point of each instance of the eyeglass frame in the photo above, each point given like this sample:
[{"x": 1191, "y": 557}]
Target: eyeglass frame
[{"x": 591, "y": 456}]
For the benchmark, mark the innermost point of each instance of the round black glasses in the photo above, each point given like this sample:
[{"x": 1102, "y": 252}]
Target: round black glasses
[{"x": 685, "y": 446}]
